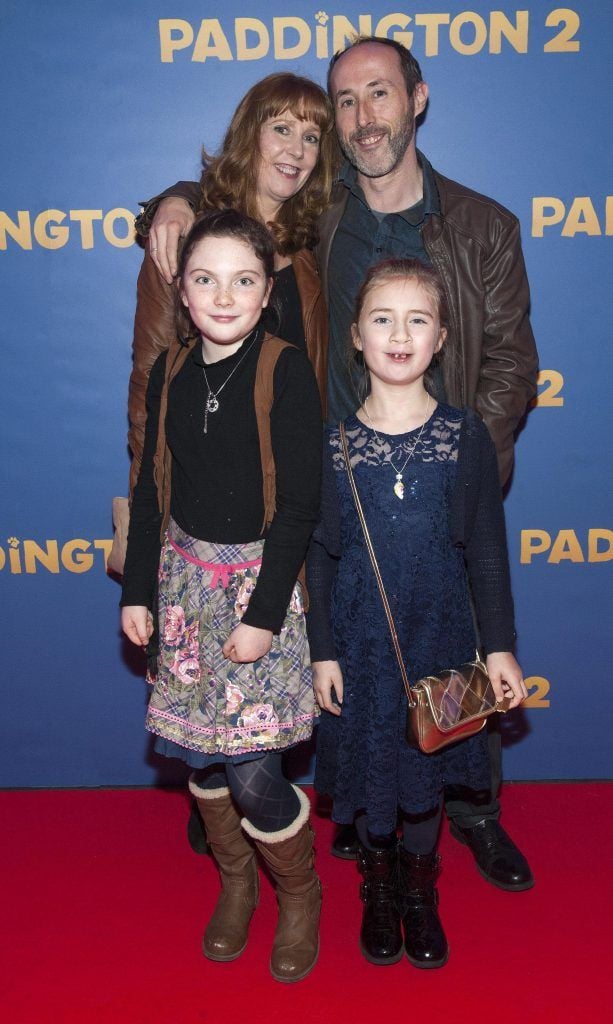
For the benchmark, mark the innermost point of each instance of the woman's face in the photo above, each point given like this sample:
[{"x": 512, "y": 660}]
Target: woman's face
[{"x": 289, "y": 150}]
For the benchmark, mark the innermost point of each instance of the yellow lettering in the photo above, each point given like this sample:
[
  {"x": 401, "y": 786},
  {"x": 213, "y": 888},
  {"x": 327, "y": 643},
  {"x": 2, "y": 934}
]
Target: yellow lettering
[
  {"x": 86, "y": 219},
  {"x": 533, "y": 542},
  {"x": 566, "y": 547},
  {"x": 432, "y": 23},
  {"x": 538, "y": 688},
  {"x": 552, "y": 382},
  {"x": 108, "y": 228},
  {"x": 596, "y": 554},
  {"x": 57, "y": 236},
  {"x": 211, "y": 42},
  {"x": 14, "y": 560},
  {"x": 21, "y": 232},
  {"x": 105, "y": 546},
  {"x": 392, "y": 21},
  {"x": 581, "y": 218},
  {"x": 516, "y": 34},
  {"x": 321, "y": 42},
  {"x": 480, "y": 32},
  {"x": 283, "y": 52},
  {"x": 170, "y": 40},
  {"x": 48, "y": 557},
  {"x": 546, "y": 210},
  {"x": 242, "y": 27},
  {"x": 77, "y": 562},
  {"x": 563, "y": 42},
  {"x": 343, "y": 31}
]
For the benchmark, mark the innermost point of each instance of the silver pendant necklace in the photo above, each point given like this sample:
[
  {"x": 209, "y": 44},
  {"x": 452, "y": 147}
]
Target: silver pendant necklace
[
  {"x": 212, "y": 398},
  {"x": 399, "y": 485}
]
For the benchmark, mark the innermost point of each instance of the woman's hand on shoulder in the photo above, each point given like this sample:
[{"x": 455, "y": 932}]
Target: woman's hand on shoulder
[
  {"x": 506, "y": 677},
  {"x": 137, "y": 624},
  {"x": 327, "y": 677},
  {"x": 247, "y": 643},
  {"x": 173, "y": 219}
]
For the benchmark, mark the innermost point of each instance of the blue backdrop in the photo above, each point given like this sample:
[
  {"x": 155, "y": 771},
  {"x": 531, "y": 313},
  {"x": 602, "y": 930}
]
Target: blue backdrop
[{"x": 107, "y": 102}]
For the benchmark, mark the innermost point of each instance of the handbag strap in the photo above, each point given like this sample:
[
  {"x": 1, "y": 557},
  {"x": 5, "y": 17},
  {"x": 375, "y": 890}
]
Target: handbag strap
[{"x": 375, "y": 565}]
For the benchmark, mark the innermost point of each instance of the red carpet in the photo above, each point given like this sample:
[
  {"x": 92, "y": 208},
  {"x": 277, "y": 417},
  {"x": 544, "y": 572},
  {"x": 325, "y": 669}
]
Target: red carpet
[{"x": 104, "y": 904}]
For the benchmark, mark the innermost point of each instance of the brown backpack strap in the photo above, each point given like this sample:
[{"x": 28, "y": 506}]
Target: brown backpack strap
[
  {"x": 263, "y": 394},
  {"x": 162, "y": 462}
]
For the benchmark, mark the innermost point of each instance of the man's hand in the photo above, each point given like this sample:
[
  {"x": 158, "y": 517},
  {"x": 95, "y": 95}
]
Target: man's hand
[
  {"x": 137, "y": 624},
  {"x": 327, "y": 676},
  {"x": 173, "y": 219},
  {"x": 247, "y": 643}
]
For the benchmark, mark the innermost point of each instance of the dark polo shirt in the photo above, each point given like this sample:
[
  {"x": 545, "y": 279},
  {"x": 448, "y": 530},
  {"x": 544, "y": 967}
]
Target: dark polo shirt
[{"x": 365, "y": 237}]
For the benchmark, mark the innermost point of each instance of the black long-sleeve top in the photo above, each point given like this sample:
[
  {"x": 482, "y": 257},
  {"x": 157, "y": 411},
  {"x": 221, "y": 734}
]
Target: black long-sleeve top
[
  {"x": 476, "y": 524},
  {"x": 216, "y": 490}
]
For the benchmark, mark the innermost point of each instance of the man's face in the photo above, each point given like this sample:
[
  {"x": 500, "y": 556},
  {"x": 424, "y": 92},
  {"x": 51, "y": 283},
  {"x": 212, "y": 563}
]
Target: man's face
[{"x": 375, "y": 117}]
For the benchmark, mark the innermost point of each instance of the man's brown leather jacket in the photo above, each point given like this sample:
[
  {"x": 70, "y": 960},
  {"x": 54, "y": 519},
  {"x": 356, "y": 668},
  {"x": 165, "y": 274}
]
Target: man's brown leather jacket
[{"x": 474, "y": 244}]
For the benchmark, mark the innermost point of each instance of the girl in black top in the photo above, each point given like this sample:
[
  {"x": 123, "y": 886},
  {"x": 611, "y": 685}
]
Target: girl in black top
[
  {"x": 428, "y": 482},
  {"x": 233, "y": 683}
]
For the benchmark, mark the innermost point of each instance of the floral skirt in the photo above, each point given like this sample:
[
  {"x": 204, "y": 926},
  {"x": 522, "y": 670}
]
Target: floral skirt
[{"x": 201, "y": 701}]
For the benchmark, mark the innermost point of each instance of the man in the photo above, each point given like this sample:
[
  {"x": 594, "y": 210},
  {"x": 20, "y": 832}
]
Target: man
[{"x": 390, "y": 202}]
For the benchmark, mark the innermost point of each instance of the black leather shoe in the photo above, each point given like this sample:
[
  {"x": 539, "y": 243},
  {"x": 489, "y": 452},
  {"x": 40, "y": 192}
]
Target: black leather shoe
[
  {"x": 380, "y": 934},
  {"x": 424, "y": 939},
  {"x": 346, "y": 843},
  {"x": 498, "y": 858},
  {"x": 196, "y": 832}
]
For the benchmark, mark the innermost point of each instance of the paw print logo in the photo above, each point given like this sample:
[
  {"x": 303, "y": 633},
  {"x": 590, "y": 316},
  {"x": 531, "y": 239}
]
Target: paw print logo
[
  {"x": 322, "y": 17},
  {"x": 12, "y": 542}
]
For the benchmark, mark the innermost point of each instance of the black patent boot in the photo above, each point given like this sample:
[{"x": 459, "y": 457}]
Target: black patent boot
[
  {"x": 424, "y": 939},
  {"x": 380, "y": 934},
  {"x": 345, "y": 843}
]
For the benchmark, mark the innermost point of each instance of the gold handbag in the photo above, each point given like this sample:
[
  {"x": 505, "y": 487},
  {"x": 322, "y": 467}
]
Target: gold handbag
[
  {"x": 444, "y": 708},
  {"x": 449, "y": 706}
]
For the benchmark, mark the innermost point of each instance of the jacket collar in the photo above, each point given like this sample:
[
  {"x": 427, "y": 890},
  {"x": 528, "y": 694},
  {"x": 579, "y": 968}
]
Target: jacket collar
[{"x": 348, "y": 177}]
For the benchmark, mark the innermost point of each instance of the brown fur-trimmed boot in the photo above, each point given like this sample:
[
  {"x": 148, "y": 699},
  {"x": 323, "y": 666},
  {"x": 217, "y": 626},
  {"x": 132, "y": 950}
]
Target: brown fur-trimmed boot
[
  {"x": 289, "y": 856},
  {"x": 226, "y": 933}
]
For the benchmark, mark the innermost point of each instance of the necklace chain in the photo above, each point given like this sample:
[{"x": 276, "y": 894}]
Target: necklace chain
[
  {"x": 399, "y": 486},
  {"x": 212, "y": 398}
]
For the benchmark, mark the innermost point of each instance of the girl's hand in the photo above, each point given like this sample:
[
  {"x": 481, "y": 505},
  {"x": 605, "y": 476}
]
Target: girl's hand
[
  {"x": 137, "y": 624},
  {"x": 173, "y": 219},
  {"x": 247, "y": 643},
  {"x": 506, "y": 678},
  {"x": 327, "y": 676}
]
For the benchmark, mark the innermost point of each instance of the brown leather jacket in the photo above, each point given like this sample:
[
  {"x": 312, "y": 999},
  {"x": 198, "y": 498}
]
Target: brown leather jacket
[
  {"x": 154, "y": 331},
  {"x": 475, "y": 245}
]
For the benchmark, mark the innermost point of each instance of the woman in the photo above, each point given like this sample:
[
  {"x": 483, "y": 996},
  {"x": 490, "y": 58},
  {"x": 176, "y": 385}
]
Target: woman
[{"x": 277, "y": 165}]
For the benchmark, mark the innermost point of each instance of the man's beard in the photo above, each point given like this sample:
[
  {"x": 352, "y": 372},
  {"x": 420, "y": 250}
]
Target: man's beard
[{"x": 378, "y": 164}]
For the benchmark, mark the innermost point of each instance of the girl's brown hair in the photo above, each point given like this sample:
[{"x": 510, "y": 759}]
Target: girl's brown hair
[
  {"x": 221, "y": 224},
  {"x": 230, "y": 179}
]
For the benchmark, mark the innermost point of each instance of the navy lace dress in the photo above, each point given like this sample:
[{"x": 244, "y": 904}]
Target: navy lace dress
[{"x": 363, "y": 759}]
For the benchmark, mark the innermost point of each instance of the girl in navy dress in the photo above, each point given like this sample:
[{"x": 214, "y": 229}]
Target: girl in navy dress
[{"x": 428, "y": 482}]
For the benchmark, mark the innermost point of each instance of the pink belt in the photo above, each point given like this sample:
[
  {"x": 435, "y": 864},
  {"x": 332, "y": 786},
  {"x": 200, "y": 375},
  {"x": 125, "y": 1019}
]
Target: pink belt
[{"x": 221, "y": 573}]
